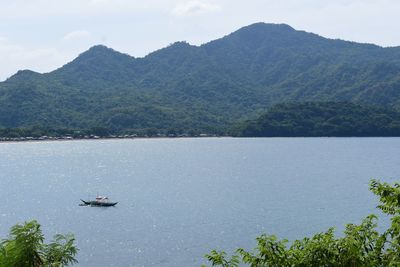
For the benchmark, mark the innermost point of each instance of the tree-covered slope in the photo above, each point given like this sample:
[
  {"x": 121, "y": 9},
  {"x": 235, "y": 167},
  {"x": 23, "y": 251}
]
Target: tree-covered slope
[
  {"x": 322, "y": 119},
  {"x": 205, "y": 87}
]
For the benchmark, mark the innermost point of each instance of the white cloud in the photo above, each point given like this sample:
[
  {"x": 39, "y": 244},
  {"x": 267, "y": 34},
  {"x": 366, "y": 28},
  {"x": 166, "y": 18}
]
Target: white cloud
[
  {"x": 76, "y": 35},
  {"x": 35, "y": 28},
  {"x": 39, "y": 8},
  {"x": 194, "y": 7},
  {"x": 101, "y": 2},
  {"x": 17, "y": 57}
]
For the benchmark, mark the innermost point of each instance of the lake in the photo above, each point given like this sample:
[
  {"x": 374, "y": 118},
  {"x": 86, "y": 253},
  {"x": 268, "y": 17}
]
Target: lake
[{"x": 180, "y": 198}]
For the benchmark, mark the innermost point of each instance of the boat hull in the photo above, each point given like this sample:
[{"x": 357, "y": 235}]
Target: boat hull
[{"x": 99, "y": 204}]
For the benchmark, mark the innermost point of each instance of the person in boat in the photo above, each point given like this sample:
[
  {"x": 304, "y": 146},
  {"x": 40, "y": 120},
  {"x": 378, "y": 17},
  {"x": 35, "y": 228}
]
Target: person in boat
[{"x": 101, "y": 199}]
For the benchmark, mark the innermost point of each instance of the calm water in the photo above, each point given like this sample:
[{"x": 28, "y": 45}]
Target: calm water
[{"x": 180, "y": 198}]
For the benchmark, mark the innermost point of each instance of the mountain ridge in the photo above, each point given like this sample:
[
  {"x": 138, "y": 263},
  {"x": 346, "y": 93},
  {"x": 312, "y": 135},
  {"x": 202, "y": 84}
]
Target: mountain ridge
[
  {"x": 206, "y": 87},
  {"x": 283, "y": 25}
]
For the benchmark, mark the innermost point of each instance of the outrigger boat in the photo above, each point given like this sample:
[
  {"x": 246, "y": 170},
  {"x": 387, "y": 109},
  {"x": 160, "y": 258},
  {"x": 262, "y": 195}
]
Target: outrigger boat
[{"x": 100, "y": 201}]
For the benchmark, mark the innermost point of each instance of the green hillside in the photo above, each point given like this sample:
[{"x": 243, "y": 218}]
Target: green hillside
[
  {"x": 322, "y": 119},
  {"x": 207, "y": 87}
]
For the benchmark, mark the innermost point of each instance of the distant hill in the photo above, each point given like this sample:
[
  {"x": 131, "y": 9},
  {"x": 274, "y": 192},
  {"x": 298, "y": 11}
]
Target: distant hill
[
  {"x": 207, "y": 87},
  {"x": 312, "y": 119}
]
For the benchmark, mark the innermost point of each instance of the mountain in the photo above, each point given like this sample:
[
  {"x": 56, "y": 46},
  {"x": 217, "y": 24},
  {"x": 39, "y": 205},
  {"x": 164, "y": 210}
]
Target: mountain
[
  {"x": 204, "y": 88},
  {"x": 322, "y": 119}
]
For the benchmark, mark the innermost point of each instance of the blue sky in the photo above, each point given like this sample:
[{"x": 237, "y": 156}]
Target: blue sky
[{"x": 42, "y": 35}]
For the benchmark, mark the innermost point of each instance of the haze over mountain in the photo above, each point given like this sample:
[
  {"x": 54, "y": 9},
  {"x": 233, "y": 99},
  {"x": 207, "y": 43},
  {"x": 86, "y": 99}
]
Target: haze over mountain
[{"x": 205, "y": 87}]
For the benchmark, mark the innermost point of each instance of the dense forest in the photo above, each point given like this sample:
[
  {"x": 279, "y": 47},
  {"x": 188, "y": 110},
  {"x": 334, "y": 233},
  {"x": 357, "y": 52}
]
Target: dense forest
[
  {"x": 203, "y": 88},
  {"x": 305, "y": 119},
  {"x": 322, "y": 119}
]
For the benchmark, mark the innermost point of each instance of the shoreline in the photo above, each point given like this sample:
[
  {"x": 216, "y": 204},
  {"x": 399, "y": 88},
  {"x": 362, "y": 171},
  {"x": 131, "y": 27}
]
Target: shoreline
[
  {"x": 14, "y": 141},
  {"x": 59, "y": 139}
]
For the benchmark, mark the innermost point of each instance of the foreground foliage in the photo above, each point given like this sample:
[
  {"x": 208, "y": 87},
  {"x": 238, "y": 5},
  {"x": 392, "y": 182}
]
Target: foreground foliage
[
  {"x": 361, "y": 245},
  {"x": 25, "y": 247}
]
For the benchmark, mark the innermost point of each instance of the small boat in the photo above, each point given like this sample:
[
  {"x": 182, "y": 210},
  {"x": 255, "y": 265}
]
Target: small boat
[{"x": 100, "y": 201}]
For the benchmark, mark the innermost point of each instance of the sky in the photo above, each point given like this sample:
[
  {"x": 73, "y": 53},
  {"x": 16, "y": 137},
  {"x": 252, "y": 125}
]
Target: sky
[{"x": 43, "y": 35}]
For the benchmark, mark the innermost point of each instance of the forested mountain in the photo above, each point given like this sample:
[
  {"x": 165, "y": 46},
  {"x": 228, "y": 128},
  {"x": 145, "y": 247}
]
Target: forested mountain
[
  {"x": 322, "y": 119},
  {"x": 205, "y": 87}
]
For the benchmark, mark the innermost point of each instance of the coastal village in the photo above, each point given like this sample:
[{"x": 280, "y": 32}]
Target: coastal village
[{"x": 94, "y": 137}]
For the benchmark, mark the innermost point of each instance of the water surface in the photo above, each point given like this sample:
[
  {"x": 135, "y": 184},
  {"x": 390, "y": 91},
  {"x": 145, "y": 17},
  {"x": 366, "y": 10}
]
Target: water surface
[{"x": 180, "y": 198}]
